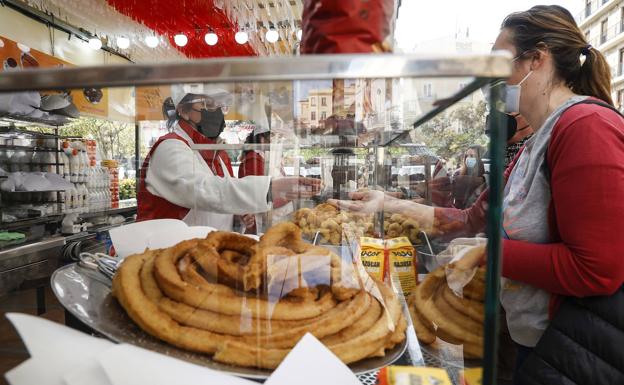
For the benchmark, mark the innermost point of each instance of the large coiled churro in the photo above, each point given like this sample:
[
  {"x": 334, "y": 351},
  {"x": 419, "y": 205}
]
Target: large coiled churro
[
  {"x": 458, "y": 320},
  {"x": 248, "y": 303}
]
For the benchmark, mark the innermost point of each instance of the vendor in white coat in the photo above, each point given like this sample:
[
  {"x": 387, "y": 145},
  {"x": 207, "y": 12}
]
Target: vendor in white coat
[{"x": 179, "y": 183}]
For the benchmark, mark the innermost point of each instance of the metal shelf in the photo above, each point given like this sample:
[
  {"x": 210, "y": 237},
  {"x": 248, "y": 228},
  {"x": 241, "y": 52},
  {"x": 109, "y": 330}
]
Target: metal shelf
[
  {"x": 306, "y": 67},
  {"x": 17, "y": 119},
  {"x": 108, "y": 212},
  {"x": 21, "y": 223}
]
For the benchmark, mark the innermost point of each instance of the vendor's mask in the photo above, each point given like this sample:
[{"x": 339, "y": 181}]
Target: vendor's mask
[{"x": 212, "y": 123}]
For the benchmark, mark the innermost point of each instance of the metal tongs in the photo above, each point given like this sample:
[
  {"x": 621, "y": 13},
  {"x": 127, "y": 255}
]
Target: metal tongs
[{"x": 101, "y": 262}]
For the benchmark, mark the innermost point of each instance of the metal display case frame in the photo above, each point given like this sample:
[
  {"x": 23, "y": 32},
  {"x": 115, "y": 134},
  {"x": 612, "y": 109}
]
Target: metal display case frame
[{"x": 483, "y": 69}]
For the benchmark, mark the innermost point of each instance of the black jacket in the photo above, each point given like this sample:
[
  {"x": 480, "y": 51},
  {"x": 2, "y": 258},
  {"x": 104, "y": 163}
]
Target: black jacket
[{"x": 583, "y": 345}]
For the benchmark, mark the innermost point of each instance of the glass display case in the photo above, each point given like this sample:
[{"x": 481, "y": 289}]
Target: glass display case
[{"x": 350, "y": 170}]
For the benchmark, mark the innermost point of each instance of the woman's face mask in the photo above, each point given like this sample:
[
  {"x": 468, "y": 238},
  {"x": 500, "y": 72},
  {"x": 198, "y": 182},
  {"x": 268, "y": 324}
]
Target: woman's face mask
[
  {"x": 471, "y": 162},
  {"x": 512, "y": 92},
  {"x": 211, "y": 123},
  {"x": 512, "y": 96}
]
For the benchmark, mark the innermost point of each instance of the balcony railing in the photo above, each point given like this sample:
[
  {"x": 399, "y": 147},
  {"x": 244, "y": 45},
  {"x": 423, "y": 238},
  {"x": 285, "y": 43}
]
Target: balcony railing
[
  {"x": 610, "y": 34},
  {"x": 617, "y": 71},
  {"x": 590, "y": 9}
]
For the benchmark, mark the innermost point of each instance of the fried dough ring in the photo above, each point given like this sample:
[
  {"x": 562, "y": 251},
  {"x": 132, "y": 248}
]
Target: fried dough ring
[
  {"x": 474, "y": 290},
  {"x": 222, "y": 299},
  {"x": 207, "y": 320},
  {"x": 284, "y": 234},
  {"x": 362, "y": 325},
  {"x": 471, "y": 308},
  {"x": 335, "y": 320},
  {"x": 435, "y": 309},
  {"x": 423, "y": 327},
  {"x": 368, "y": 344},
  {"x": 128, "y": 291},
  {"x": 173, "y": 295}
]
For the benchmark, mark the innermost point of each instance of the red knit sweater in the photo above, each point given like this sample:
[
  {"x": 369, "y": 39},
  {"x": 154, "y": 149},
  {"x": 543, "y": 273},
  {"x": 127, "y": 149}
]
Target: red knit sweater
[{"x": 586, "y": 213}]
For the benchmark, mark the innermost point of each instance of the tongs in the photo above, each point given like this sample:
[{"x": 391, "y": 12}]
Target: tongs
[{"x": 101, "y": 262}]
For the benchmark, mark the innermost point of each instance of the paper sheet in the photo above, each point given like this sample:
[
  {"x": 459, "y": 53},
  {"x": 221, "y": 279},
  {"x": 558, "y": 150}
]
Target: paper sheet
[
  {"x": 62, "y": 356},
  {"x": 311, "y": 363},
  {"x": 158, "y": 233}
]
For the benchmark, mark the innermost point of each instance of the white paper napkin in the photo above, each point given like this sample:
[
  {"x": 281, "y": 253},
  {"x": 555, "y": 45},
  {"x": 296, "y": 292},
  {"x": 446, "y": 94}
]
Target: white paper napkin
[
  {"x": 55, "y": 350},
  {"x": 311, "y": 363},
  {"x": 130, "y": 365},
  {"x": 62, "y": 356},
  {"x": 158, "y": 233}
]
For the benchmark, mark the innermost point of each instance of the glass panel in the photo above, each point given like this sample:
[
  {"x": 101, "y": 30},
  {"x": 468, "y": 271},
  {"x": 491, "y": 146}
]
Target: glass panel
[{"x": 342, "y": 204}]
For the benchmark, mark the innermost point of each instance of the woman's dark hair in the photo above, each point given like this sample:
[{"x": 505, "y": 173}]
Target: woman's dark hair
[
  {"x": 552, "y": 27},
  {"x": 254, "y": 139}
]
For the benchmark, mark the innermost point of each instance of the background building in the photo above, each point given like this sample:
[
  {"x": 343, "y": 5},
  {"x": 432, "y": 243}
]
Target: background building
[{"x": 603, "y": 24}]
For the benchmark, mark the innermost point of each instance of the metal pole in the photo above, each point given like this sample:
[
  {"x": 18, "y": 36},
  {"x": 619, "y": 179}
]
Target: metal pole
[
  {"x": 137, "y": 155},
  {"x": 494, "y": 233}
]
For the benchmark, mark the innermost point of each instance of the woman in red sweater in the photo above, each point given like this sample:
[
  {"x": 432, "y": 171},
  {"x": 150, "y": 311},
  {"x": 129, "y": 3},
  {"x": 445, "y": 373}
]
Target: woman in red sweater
[{"x": 563, "y": 212}]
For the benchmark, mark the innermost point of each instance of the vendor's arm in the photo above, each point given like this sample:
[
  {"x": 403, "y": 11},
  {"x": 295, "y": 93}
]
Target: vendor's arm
[
  {"x": 175, "y": 175},
  {"x": 471, "y": 221},
  {"x": 586, "y": 161}
]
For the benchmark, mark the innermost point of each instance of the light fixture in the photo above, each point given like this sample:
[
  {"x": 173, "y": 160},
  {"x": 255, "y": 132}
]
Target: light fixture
[
  {"x": 151, "y": 41},
  {"x": 299, "y": 34},
  {"x": 123, "y": 42},
  {"x": 180, "y": 39},
  {"x": 23, "y": 47},
  {"x": 95, "y": 43},
  {"x": 272, "y": 36},
  {"x": 241, "y": 37},
  {"x": 211, "y": 38}
]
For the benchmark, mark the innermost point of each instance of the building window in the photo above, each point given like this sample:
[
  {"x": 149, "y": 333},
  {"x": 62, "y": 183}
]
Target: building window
[
  {"x": 622, "y": 20},
  {"x": 427, "y": 90},
  {"x": 603, "y": 31},
  {"x": 587, "y": 35},
  {"x": 313, "y": 116},
  {"x": 620, "y": 67},
  {"x": 587, "y": 8},
  {"x": 324, "y": 101},
  {"x": 323, "y": 115},
  {"x": 313, "y": 102},
  {"x": 620, "y": 99}
]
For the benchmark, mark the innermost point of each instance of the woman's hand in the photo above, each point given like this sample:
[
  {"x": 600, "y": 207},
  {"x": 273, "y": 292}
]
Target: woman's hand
[
  {"x": 362, "y": 202},
  {"x": 294, "y": 187}
]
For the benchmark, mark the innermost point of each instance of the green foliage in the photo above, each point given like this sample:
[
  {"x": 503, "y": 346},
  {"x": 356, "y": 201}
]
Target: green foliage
[
  {"x": 127, "y": 189},
  {"x": 451, "y": 133},
  {"x": 115, "y": 140}
]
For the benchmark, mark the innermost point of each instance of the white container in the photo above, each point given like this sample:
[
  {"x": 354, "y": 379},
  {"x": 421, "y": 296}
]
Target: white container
[
  {"x": 73, "y": 200},
  {"x": 74, "y": 166},
  {"x": 85, "y": 165},
  {"x": 66, "y": 166},
  {"x": 20, "y": 160},
  {"x": 84, "y": 198},
  {"x": 62, "y": 201},
  {"x": 35, "y": 161},
  {"x": 48, "y": 160}
]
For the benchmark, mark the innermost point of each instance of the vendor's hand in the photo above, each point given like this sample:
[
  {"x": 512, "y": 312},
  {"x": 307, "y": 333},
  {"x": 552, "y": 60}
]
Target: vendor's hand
[
  {"x": 249, "y": 220},
  {"x": 295, "y": 187},
  {"x": 362, "y": 202}
]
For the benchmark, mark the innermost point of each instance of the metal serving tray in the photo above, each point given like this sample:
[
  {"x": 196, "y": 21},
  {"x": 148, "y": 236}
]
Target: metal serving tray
[{"x": 87, "y": 295}]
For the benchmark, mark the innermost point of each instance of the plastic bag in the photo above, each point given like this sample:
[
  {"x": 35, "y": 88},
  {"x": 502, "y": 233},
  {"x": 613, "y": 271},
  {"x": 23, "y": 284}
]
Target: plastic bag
[{"x": 458, "y": 249}]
